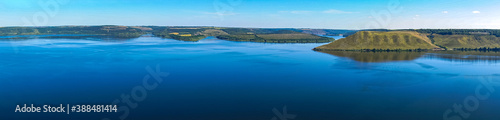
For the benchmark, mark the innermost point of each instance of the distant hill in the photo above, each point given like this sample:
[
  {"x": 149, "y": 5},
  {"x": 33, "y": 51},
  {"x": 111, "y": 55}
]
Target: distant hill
[
  {"x": 354, "y": 32},
  {"x": 184, "y": 33},
  {"x": 375, "y": 40},
  {"x": 240, "y": 34},
  {"x": 108, "y": 30},
  {"x": 327, "y": 32},
  {"x": 282, "y": 37}
]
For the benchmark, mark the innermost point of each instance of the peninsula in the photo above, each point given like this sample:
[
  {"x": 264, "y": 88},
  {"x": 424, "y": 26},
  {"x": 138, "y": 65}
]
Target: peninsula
[{"x": 418, "y": 40}]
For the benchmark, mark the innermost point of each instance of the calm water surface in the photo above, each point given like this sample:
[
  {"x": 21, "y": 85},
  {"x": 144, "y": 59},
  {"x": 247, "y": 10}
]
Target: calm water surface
[{"x": 222, "y": 80}]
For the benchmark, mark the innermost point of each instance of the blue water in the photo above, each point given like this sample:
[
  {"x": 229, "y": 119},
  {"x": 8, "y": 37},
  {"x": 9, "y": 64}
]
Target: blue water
[
  {"x": 223, "y": 80},
  {"x": 43, "y": 36}
]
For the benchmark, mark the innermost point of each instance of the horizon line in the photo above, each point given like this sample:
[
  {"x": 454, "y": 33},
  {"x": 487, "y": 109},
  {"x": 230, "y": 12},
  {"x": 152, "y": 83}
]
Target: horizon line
[{"x": 253, "y": 27}]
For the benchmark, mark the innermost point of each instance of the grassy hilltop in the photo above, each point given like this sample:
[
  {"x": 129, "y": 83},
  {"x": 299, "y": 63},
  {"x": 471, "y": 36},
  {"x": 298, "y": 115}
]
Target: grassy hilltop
[
  {"x": 378, "y": 41},
  {"x": 420, "y": 39},
  {"x": 467, "y": 41}
]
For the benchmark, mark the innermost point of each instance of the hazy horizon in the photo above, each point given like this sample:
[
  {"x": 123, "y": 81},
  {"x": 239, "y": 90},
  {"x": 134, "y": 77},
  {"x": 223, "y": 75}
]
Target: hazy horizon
[
  {"x": 320, "y": 14},
  {"x": 250, "y": 27}
]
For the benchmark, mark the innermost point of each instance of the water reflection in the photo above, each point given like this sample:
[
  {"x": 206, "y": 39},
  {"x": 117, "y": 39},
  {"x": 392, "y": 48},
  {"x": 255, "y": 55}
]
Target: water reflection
[
  {"x": 464, "y": 56},
  {"x": 376, "y": 56}
]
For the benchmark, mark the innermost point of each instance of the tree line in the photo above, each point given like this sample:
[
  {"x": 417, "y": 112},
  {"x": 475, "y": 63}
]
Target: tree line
[
  {"x": 477, "y": 49},
  {"x": 461, "y": 31}
]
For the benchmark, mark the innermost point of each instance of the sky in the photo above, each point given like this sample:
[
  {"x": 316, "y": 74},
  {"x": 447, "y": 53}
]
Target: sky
[{"x": 328, "y": 14}]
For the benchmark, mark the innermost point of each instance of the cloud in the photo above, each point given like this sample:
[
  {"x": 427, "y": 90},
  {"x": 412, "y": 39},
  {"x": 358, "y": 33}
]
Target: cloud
[
  {"x": 445, "y": 12},
  {"x": 476, "y": 12},
  {"x": 297, "y": 12},
  {"x": 416, "y": 17},
  {"x": 220, "y": 13},
  {"x": 333, "y": 11}
]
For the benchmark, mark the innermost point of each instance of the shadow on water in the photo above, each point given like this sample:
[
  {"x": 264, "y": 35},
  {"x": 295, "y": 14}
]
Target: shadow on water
[{"x": 463, "y": 56}]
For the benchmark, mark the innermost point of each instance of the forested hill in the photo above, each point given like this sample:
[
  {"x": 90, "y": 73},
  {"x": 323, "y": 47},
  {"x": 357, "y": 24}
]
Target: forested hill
[{"x": 115, "y": 31}]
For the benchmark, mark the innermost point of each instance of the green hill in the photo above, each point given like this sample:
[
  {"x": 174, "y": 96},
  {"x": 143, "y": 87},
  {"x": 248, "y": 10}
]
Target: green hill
[
  {"x": 372, "y": 40},
  {"x": 467, "y": 41}
]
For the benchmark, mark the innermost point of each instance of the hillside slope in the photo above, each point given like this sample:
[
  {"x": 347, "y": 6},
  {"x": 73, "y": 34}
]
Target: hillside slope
[
  {"x": 467, "y": 41},
  {"x": 395, "y": 40}
]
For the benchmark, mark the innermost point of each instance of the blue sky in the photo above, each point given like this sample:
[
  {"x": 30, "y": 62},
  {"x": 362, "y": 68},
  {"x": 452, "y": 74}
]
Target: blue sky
[{"x": 332, "y": 14}]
